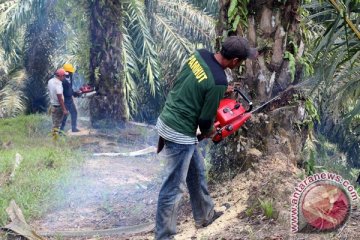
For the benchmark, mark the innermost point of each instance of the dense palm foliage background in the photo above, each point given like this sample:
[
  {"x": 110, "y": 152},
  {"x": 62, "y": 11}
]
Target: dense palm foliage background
[
  {"x": 334, "y": 39},
  {"x": 145, "y": 64},
  {"x": 37, "y": 36}
]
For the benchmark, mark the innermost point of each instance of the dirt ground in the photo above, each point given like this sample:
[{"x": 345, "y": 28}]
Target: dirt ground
[
  {"x": 113, "y": 192},
  {"x": 107, "y": 192}
]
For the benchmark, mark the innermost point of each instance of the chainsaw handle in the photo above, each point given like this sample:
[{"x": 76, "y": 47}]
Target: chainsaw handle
[{"x": 245, "y": 98}]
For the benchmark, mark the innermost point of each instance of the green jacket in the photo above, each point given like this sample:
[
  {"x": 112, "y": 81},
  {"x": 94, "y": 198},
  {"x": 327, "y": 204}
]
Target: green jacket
[{"x": 196, "y": 94}]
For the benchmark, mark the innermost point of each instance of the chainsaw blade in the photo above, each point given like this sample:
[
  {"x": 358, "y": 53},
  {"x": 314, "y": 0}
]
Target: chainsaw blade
[
  {"x": 88, "y": 94},
  {"x": 264, "y": 104}
]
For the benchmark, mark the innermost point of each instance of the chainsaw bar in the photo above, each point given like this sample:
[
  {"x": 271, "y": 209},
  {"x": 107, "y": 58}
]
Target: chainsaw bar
[
  {"x": 279, "y": 96},
  {"x": 264, "y": 104}
]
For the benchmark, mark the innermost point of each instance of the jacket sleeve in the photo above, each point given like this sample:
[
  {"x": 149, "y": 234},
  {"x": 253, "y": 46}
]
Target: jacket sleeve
[{"x": 211, "y": 104}]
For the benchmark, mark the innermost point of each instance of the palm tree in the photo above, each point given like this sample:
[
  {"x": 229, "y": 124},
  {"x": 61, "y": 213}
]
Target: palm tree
[
  {"x": 11, "y": 102},
  {"x": 327, "y": 46},
  {"x": 274, "y": 28},
  {"x": 31, "y": 34},
  {"x": 142, "y": 61},
  {"x": 42, "y": 38},
  {"x": 11, "y": 99},
  {"x": 337, "y": 86},
  {"x": 183, "y": 26},
  {"x": 106, "y": 67},
  {"x": 176, "y": 28}
]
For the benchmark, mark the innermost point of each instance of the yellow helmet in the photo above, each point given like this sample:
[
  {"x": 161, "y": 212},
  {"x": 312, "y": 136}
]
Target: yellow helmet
[{"x": 69, "y": 68}]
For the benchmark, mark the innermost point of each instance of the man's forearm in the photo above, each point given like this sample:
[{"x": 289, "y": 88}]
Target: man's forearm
[
  {"x": 62, "y": 104},
  {"x": 61, "y": 101},
  {"x": 205, "y": 126}
]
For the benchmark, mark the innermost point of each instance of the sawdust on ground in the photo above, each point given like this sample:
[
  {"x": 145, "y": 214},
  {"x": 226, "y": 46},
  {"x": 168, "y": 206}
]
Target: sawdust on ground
[{"x": 273, "y": 177}]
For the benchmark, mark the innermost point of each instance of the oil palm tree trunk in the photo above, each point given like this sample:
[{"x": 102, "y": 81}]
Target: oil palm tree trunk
[
  {"x": 108, "y": 108},
  {"x": 271, "y": 26}
]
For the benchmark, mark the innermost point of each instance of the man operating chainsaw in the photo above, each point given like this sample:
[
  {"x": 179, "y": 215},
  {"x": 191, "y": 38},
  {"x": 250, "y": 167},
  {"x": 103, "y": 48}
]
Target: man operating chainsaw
[
  {"x": 192, "y": 103},
  {"x": 68, "y": 98}
]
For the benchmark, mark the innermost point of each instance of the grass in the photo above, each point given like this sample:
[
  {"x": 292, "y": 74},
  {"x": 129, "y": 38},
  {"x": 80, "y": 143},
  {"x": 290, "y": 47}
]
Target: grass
[
  {"x": 249, "y": 212},
  {"x": 267, "y": 207},
  {"x": 44, "y": 167}
]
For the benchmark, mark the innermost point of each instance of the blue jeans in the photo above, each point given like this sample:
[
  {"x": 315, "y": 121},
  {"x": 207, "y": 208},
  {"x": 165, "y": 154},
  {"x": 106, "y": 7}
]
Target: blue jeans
[
  {"x": 184, "y": 166},
  {"x": 70, "y": 106}
]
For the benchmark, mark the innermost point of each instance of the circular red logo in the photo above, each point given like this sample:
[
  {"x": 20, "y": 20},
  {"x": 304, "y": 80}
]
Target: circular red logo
[{"x": 325, "y": 206}]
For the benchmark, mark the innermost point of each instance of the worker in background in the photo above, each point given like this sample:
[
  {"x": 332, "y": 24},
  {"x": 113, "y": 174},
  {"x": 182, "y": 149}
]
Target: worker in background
[
  {"x": 58, "y": 109},
  {"x": 193, "y": 103},
  {"x": 68, "y": 98}
]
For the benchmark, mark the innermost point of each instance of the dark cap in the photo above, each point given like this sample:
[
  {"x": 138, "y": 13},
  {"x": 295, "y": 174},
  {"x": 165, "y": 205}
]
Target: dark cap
[{"x": 238, "y": 47}]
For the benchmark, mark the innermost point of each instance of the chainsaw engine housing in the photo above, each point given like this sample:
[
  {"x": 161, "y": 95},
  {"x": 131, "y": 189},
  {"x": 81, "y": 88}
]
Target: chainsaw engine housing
[{"x": 230, "y": 116}]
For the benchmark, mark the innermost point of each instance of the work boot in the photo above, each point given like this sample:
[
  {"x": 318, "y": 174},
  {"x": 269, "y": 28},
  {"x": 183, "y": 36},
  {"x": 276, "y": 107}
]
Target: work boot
[
  {"x": 207, "y": 223},
  {"x": 75, "y": 130}
]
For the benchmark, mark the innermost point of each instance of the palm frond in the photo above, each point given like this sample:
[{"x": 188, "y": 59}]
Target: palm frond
[
  {"x": 181, "y": 27},
  {"x": 4, "y": 66},
  {"x": 172, "y": 42},
  {"x": 337, "y": 51},
  {"x": 75, "y": 48},
  {"x": 332, "y": 48},
  {"x": 131, "y": 73},
  {"x": 208, "y": 6},
  {"x": 345, "y": 97},
  {"x": 12, "y": 101},
  {"x": 342, "y": 11},
  {"x": 12, "y": 28},
  {"x": 11, "y": 42},
  {"x": 353, "y": 114},
  {"x": 143, "y": 43},
  {"x": 18, "y": 15},
  {"x": 6, "y": 9},
  {"x": 189, "y": 21}
]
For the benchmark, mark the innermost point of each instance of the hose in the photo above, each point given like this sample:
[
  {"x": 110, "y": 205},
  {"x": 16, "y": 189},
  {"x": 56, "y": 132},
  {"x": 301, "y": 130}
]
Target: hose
[{"x": 126, "y": 230}]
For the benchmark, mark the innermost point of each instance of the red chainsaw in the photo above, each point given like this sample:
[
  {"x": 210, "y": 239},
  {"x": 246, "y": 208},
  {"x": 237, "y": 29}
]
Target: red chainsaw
[
  {"x": 230, "y": 116},
  {"x": 86, "y": 91}
]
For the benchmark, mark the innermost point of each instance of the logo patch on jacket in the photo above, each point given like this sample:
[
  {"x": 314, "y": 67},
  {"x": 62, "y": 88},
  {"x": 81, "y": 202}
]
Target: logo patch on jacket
[{"x": 197, "y": 69}]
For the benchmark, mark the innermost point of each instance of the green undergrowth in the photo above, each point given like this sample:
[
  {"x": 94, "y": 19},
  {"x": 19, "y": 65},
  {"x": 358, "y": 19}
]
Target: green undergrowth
[
  {"x": 45, "y": 165},
  {"x": 267, "y": 207}
]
